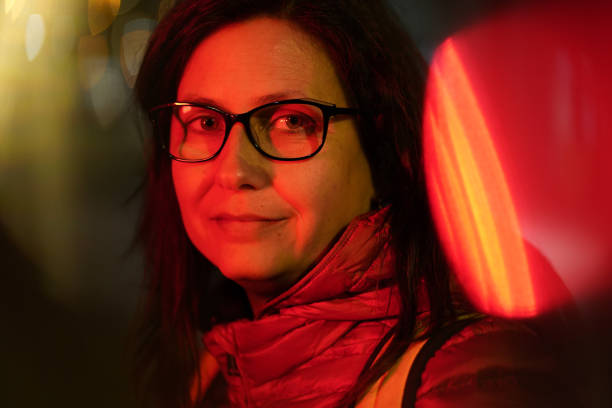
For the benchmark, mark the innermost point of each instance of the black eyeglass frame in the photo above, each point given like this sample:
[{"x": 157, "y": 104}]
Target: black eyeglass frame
[{"x": 328, "y": 110}]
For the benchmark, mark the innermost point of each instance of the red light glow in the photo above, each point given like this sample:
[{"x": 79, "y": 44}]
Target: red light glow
[
  {"x": 474, "y": 204},
  {"x": 516, "y": 130}
]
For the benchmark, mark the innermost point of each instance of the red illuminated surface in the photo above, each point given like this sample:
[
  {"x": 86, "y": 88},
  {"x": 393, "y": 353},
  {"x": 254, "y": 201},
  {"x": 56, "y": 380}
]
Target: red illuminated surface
[{"x": 517, "y": 138}]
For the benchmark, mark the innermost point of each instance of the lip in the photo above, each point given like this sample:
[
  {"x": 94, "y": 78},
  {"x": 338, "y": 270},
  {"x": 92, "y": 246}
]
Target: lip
[
  {"x": 246, "y": 227},
  {"x": 245, "y": 218}
]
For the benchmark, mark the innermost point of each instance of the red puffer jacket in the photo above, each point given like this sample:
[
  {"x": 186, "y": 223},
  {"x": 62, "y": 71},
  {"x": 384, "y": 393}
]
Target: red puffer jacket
[{"x": 307, "y": 346}]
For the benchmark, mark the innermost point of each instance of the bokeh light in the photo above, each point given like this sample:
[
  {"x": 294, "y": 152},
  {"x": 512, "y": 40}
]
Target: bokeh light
[
  {"x": 63, "y": 38},
  {"x": 127, "y": 6},
  {"x": 14, "y": 8},
  {"x": 109, "y": 96},
  {"x": 473, "y": 202},
  {"x": 37, "y": 200},
  {"x": 101, "y": 78},
  {"x": 92, "y": 59},
  {"x": 35, "y": 35},
  {"x": 517, "y": 155},
  {"x": 133, "y": 45},
  {"x": 101, "y": 14}
]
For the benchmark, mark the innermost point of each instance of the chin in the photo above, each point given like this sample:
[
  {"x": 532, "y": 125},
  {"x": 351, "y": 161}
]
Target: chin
[
  {"x": 258, "y": 261},
  {"x": 249, "y": 271},
  {"x": 263, "y": 283}
]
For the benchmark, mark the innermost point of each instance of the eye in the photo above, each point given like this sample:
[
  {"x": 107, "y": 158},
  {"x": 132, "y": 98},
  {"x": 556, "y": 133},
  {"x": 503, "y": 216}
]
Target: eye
[
  {"x": 204, "y": 123},
  {"x": 208, "y": 122},
  {"x": 199, "y": 119},
  {"x": 293, "y": 122}
]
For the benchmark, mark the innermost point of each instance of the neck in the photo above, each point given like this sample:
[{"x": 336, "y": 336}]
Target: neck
[
  {"x": 257, "y": 302},
  {"x": 261, "y": 291}
]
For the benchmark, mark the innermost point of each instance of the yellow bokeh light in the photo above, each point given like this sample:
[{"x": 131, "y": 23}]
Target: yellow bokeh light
[
  {"x": 92, "y": 60},
  {"x": 35, "y": 35},
  {"x": 37, "y": 130},
  {"x": 101, "y": 14},
  {"x": 14, "y": 8},
  {"x": 127, "y": 6}
]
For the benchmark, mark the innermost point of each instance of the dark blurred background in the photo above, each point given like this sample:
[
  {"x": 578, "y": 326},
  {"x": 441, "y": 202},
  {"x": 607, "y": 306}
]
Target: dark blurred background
[{"x": 71, "y": 162}]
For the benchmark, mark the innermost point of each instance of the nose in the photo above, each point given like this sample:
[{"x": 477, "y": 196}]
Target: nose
[{"x": 239, "y": 165}]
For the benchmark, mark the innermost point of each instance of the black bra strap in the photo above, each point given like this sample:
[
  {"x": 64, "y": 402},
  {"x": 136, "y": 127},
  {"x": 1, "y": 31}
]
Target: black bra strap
[{"x": 433, "y": 344}]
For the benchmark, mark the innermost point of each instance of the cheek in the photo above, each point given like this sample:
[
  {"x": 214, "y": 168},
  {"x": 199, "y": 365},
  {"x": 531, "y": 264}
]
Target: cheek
[
  {"x": 191, "y": 182},
  {"x": 317, "y": 191},
  {"x": 308, "y": 188},
  {"x": 182, "y": 185}
]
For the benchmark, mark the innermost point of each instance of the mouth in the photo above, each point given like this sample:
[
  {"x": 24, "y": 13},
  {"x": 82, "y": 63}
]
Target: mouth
[
  {"x": 245, "y": 218},
  {"x": 246, "y": 226}
]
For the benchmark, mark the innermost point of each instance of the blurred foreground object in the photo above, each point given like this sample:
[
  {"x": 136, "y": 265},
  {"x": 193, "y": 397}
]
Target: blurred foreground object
[
  {"x": 517, "y": 146},
  {"x": 70, "y": 152}
]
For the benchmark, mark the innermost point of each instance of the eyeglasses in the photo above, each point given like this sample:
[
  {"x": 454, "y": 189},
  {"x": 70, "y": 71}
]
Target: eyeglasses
[{"x": 287, "y": 130}]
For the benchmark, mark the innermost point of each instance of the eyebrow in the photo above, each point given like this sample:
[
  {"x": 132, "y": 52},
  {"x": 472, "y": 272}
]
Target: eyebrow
[
  {"x": 261, "y": 100},
  {"x": 292, "y": 94}
]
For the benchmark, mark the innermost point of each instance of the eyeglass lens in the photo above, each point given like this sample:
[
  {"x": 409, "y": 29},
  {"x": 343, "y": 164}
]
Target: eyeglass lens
[{"x": 284, "y": 131}]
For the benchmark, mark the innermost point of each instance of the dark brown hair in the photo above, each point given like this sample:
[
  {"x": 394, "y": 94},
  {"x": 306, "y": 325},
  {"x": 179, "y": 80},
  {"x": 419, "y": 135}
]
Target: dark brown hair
[{"x": 383, "y": 74}]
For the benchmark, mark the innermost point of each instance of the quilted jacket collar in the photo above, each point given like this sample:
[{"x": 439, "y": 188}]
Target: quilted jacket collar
[{"x": 308, "y": 345}]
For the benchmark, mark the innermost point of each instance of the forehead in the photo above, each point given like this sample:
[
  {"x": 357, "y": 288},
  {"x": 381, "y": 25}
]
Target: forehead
[{"x": 242, "y": 64}]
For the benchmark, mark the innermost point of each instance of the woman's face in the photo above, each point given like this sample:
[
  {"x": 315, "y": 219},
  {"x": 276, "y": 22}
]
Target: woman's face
[{"x": 264, "y": 222}]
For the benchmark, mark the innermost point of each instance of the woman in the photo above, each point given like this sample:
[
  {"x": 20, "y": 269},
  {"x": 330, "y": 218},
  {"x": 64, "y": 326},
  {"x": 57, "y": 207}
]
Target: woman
[{"x": 286, "y": 216}]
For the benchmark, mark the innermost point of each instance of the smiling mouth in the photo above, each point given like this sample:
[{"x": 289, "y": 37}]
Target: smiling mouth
[
  {"x": 245, "y": 218},
  {"x": 246, "y": 227}
]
